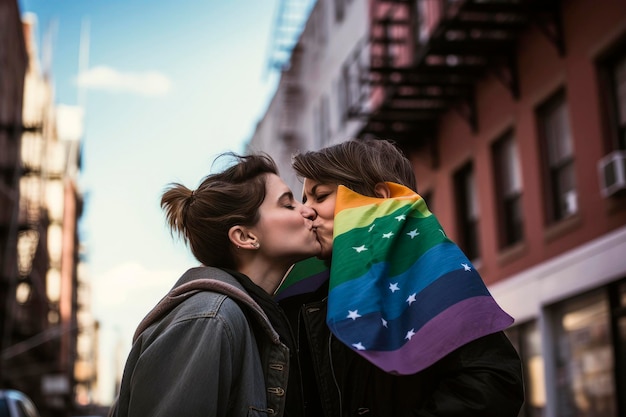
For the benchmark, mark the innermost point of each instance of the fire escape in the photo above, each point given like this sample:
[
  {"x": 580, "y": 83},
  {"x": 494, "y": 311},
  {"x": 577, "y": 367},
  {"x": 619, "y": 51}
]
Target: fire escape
[
  {"x": 424, "y": 58},
  {"x": 285, "y": 55}
]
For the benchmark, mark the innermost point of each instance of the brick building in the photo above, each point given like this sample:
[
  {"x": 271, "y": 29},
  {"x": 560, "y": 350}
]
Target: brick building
[{"x": 513, "y": 113}]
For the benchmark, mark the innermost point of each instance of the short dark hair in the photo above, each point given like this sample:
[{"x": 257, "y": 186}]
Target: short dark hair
[
  {"x": 358, "y": 164},
  {"x": 202, "y": 218}
]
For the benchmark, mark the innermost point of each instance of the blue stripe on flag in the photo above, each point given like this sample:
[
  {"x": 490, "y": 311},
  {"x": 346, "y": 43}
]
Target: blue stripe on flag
[{"x": 450, "y": 289}]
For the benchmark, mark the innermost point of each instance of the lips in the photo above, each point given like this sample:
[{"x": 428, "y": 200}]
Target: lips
[{"x": 325, "y": 244}]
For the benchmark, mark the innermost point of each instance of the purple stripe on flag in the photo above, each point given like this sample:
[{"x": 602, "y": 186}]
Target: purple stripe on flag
[
  {"x": 309, "y": 284},
  {"x": 461, "y": 323},
  {"x": 448, "y": 290}
]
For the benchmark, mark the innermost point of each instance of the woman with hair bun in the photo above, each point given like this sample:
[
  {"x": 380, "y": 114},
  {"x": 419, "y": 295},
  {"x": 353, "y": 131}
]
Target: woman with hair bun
[{"x": 217, "y": 344}]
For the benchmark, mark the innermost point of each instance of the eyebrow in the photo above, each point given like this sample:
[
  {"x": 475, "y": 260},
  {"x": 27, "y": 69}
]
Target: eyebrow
[
  {"x": 286, "y": 194},
  {"x": 313, "y": 191}
]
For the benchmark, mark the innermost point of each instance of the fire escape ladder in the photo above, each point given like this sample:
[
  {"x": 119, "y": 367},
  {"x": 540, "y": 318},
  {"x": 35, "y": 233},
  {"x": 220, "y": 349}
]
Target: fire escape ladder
[
  {"x": 506, "y": 71},
  {"x": 356, "y": 82},
  {"x": 549, "y": 21},
  {"x": 426, "y": 56},
  {"x": 404, "y": 107},
  {"x": 291, "y": 96},
  {"x": 466, "y": 108}
]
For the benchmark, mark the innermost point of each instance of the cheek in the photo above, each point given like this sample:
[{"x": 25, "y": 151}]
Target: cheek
[
  {"x": 293, "y": 220},
  {"x": 327, "y": 212}
]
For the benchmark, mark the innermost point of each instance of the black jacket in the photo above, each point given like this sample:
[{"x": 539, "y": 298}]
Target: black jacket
[{"x": 482, "y": 378}]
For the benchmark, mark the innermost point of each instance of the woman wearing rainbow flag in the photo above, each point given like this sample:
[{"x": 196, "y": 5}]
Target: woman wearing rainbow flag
[{"x": 394, "y": 320}]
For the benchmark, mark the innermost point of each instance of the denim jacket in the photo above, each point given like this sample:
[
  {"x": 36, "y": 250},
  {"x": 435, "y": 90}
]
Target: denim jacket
[{"x": 207, "y": 349}]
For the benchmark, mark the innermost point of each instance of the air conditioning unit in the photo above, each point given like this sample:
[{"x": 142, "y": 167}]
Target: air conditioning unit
[{"x": 612, "y": 171}]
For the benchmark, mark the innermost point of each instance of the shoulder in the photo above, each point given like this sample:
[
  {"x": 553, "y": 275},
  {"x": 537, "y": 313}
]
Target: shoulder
[
  {"x": 198, "y": 302},
  {"x": 494, "y": 351},
  {"x": 209, "y": 305},
  {"x": 207, "y": 318},
  {"x": 208, "y": 272}
]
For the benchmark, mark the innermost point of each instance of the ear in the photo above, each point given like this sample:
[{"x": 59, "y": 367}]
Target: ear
[
  {"x": 382, "y": 190},
  {"x": 236, "y": 235},
  {"x": 241, "y": 237}
]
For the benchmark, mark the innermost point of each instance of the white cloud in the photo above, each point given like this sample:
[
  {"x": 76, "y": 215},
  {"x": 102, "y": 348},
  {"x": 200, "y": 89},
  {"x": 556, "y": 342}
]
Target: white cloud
[
  {"x": 122, "y": 296},
  {"x": 125, "y": 294},
  {"x": 149, "y": 83},
  {"x": 131, "y": 285}
]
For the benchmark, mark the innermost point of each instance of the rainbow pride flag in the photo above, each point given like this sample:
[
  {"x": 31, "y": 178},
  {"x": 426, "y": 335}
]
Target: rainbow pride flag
[
  {"x": 403, "y": 295},
  {"x": 305, "y": 276}
]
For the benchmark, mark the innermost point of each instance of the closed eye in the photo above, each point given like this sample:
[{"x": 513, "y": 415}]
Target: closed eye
[{"x": 287, "y": 200}]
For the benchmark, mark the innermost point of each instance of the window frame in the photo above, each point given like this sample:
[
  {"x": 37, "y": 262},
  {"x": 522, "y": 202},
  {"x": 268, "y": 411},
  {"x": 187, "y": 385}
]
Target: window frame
[
  {"x": 555, "y": 171},
  {"x": 468, "y": 227},
  {"x": 510, "y": 230},
  {"x": 568, "y": 344},
  {"x": 614, "y": 134}
]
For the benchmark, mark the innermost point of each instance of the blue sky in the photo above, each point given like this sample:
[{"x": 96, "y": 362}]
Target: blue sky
[{"x": 169, "y": 85}]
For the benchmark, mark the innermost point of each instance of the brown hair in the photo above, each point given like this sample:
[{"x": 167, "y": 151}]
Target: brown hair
[
  {"x": 202, "y": 218},
  {"x": 358, "y": 164}
]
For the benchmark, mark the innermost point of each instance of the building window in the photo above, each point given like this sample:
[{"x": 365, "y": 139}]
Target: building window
[
  {"x": 508, "y": 180},
  {"x": 321, "y": 121},
  {"x": 353, "y": 87},
  {"x": 558, "y": 156},
  {"x": 318, "y": 23},
  {"x": 612, "y": 71},
  {"x": 325, "y": 121},
  {"x": 527, "y": 341},
  {"x": 619, "y": 97},
  {"x": 467, "y": 211},
  {"x": 317, "y": 131},
  {"x": 584, "y": 357},
  {"x": 340, "y": 10},
  {"x": 356, "y": 94},
  {"x": 617, "y": 295},
  {"x": 342, "y": 96}
]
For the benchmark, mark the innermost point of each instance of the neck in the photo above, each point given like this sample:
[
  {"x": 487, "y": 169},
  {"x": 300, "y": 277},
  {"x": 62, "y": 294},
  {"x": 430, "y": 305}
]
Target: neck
[{"x": 266, "y": 275}]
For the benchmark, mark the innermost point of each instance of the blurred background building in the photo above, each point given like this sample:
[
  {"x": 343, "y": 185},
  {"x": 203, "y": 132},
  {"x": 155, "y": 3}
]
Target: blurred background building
[
  {"x": 48, "y": 344},
  {"x": 513, "y": 113}
]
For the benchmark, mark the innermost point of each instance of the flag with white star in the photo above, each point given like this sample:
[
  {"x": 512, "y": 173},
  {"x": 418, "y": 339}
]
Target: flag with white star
[{"x": 401, "y": 293}]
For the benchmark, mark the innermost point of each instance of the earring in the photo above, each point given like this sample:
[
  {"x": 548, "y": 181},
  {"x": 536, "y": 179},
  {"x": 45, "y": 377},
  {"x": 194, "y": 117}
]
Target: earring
[{"x": 256, "y": 245}]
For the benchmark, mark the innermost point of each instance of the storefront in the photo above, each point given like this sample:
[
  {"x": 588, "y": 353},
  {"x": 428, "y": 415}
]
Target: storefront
[{"x": 573, "y": 345}]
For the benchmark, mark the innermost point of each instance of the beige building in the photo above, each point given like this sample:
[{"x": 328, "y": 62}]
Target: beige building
[
  {"x": 304, "y": 113},
  {"x": 50, "y": 344}
]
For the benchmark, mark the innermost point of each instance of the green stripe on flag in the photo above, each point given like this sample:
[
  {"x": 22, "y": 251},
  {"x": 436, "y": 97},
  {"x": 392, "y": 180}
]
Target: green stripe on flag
[
  {"x": 302, "y": 270},
  {"x": 361, "y": 248}
]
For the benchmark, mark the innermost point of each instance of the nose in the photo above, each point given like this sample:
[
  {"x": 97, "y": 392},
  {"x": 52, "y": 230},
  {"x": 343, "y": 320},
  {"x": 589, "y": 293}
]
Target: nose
[{"x": 308, "y": 212}]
